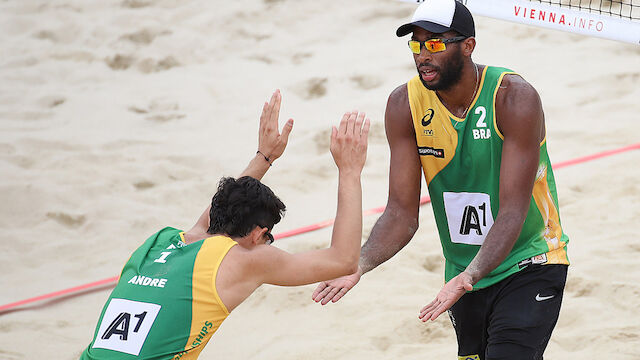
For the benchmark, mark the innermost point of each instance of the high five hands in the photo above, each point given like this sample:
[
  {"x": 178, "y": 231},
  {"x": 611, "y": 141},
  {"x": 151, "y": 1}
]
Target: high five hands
[
  {"x": 349, "y": 142},
  {"x": 271, "y": 143}
]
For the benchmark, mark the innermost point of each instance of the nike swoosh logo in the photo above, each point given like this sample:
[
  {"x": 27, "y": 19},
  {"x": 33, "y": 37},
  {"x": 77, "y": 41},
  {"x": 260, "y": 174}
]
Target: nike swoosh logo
[{"x": 543, "y": 298}]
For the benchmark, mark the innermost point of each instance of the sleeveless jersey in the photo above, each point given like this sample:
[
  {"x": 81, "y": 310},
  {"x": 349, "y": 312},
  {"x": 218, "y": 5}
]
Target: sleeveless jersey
[
  {"x": 165, "y": 305},
  {"x": 461, "y": 163}
]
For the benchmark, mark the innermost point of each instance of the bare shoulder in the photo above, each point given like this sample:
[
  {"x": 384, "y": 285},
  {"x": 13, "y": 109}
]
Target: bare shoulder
[
  {"x": 515, "y": 92},
  {"x": 399, "y": 96},
  {"x": 398, "y": 112},
  {"x": 255, "y": 258},
  {"x": 398, "y": 103},
  {"x": 519, "y": 108},
  {"x": 239, "y": 274},
  {"x": 247, "y": 265}
]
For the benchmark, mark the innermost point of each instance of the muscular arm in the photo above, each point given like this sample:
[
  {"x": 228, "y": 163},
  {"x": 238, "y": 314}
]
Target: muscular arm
[
  {"x": 399, "y": 221},
  {"x": 274, "y": 266},
  {"x": 521, "y": 120}
]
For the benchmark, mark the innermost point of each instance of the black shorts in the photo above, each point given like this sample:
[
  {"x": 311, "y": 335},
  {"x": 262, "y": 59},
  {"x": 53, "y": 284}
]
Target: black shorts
[{"x": 512, "y": 319}]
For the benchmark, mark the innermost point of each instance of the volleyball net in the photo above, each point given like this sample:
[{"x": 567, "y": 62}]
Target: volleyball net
[
  {"x": 628, "y": 9},
  {"x": 609, "y": 19}
]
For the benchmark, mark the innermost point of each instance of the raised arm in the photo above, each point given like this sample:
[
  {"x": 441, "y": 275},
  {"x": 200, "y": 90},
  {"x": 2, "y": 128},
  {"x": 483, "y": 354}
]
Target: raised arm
[
  {"x": 274, "y": 266},
  {"x": 398, "y": 223},
  {"x": 271, "y": 145},
  {"x": 521, "y": 120}
]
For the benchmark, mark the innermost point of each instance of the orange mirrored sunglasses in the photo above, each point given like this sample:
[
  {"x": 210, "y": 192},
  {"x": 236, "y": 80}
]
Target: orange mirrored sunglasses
[{"x": 433, "y": 45}]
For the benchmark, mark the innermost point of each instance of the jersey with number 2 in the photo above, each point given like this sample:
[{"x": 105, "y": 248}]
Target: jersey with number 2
[{"x": 461, "y": 163}]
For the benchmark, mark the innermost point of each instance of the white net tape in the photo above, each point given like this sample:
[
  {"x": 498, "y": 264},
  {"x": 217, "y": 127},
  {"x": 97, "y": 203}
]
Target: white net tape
[{"x": 615, "y": 19}]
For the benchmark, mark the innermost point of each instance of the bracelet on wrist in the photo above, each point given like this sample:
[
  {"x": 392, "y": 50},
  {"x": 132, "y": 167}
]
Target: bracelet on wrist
[{"x": 265, "y": 157}]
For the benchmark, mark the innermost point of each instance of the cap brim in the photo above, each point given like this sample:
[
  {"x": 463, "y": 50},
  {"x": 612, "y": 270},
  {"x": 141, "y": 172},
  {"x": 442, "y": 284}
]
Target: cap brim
[{"x": 427, "y": 25}]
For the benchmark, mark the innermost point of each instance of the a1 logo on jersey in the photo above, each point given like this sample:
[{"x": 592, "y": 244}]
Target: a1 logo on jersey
[
  {"x": 469, "y": 216},
  {"x": 126, "y": 325},
  {"x": 481, "y": 131}
]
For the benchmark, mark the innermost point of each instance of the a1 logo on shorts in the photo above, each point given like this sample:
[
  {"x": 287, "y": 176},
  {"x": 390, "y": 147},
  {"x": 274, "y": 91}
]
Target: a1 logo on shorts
[
  {"x": 469, "y": 216},
  {"x": 125, "y": 325}
]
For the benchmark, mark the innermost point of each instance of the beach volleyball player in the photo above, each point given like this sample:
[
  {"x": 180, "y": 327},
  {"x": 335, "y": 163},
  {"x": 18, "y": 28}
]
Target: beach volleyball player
[
  {"x": 178, "y": 287},
  {"x": 477, "y": 133}
]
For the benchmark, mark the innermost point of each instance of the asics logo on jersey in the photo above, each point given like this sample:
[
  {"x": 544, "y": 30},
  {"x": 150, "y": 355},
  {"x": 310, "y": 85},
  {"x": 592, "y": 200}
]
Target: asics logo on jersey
[{"x": 426, "y": 119}]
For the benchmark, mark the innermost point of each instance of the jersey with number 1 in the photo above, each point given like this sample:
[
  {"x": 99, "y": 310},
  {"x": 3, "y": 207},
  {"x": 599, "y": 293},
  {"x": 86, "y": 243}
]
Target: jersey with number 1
[
  {"x": 165, "y": 305},
  {"x": 461, "y": 163}
]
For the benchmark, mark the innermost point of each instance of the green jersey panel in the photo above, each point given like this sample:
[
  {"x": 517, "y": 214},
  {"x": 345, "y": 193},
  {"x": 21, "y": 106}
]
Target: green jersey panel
[
  {"x": 461, "y": 161},
  {"x": 165, "y": 304}
]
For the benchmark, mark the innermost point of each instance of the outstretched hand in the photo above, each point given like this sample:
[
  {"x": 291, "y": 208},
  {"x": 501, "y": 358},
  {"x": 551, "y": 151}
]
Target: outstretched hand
[
  {"x": 349, "y": 142},
  {"x": 450, "y": 293},
  {"x": 334, "y": 290},
  {"x": 271, "y": 143}
]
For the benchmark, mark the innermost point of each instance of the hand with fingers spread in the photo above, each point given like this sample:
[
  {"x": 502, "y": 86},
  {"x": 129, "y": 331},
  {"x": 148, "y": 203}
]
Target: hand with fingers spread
[
  {"x": 349, "y": 151},
  {"x": 349, "y": 142},
  {"x": 450, "y": 293},
  {"x": 334, "y": 290},
  {"x": 271, "y": 143}
]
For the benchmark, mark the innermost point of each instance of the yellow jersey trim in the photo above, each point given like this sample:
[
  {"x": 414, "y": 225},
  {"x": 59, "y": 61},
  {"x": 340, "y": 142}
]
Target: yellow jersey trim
[
  {"x": 495, "y": 93},
  {"x": 215, "y": 276},
  {"x": 206, "y": 317},
  {"x": 552, "y": 229}
]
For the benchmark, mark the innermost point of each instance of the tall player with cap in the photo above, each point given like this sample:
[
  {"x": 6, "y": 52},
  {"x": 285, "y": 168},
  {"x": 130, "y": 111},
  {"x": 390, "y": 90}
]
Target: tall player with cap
[{"x": 478, "y": 134}]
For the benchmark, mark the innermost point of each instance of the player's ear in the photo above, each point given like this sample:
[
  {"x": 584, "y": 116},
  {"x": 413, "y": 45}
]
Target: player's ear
[
  {"x": 468, "y": 45},
  {"x": 257, "y": 234}
]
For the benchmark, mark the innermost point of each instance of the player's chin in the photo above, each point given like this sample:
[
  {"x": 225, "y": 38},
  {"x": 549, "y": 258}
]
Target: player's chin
[{"x": 432, "y": 84}]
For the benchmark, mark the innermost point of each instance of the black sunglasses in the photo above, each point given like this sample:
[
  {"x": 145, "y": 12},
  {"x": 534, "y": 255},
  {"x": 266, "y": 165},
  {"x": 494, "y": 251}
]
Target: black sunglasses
[
  {"x": 268, "y": 234},
  {"x": 270, "y": 238}
]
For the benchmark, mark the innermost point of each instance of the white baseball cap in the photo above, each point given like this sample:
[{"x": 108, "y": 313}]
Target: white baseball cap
[{"x": 438, "y": 16}]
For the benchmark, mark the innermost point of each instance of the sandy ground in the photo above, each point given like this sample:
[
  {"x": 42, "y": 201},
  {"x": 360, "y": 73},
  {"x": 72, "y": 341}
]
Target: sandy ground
[{"x": 118, "y": 118}]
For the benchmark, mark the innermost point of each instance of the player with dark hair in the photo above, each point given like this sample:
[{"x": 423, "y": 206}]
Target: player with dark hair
[
  {"x": 178, "y": 287},
  {"x": 477, "y": 133},
  {"x": 240, "y": 204}
]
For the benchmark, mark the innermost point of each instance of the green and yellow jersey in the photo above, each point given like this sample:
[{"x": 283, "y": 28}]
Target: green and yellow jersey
[
  {"x": 165, "y": 305},
  {"x": 461, "y": 163}
]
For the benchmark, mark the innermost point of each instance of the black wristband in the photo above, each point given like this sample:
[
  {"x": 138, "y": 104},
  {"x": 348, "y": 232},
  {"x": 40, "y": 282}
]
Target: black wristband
[{"x": 265, "y": 157}]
